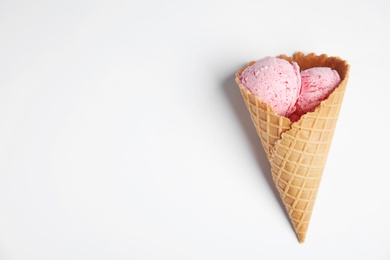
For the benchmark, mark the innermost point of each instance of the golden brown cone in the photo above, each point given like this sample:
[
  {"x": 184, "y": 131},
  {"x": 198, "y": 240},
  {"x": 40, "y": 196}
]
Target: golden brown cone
[{"x": 298, "y": 151}]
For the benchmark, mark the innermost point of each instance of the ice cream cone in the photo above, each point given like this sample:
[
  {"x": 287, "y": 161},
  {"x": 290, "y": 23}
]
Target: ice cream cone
[{"x": 298, "y": 151}]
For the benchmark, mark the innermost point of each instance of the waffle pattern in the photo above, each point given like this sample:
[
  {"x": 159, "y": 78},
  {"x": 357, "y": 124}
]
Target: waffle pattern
[
  {"x": 297, "y": 152},
  {"x": 269, "y": 125}
]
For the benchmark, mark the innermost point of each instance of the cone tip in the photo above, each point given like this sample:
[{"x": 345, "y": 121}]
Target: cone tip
[{"x": 301, "y": 238}]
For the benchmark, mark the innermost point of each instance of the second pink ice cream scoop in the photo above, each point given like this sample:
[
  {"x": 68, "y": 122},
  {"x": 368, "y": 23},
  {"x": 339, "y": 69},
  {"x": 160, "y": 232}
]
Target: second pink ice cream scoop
[{"x": 317, "y": 84}]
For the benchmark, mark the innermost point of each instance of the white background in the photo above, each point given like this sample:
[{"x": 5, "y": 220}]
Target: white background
[{"x": 124, "y": 136}]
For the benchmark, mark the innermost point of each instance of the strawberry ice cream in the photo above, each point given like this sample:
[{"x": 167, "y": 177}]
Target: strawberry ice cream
[
  {"x": 317, "y": 84},
  {"x": 289, "y": 92},
  {"x": 274, "y": 81}
]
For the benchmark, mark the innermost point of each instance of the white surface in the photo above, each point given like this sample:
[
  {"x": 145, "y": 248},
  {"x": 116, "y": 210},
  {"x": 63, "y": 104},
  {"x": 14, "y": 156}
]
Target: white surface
[{"x": 123, "y": 135}]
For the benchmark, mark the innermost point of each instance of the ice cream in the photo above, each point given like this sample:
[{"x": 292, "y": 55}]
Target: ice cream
[
  {"x": 317, "y": 84},
  {"x": 274, "y": 81},
  {"x": 289, "y": 92},
  {"x": 298, "y": 151}
]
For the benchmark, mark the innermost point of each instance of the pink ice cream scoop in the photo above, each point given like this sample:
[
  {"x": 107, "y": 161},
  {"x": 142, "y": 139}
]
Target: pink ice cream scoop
[
  {"x": 317, "y": 84},
  {"x": 274, "y": 81}
]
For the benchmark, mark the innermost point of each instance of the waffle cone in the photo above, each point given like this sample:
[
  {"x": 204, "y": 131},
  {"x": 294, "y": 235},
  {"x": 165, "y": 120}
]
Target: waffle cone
[{"x": 298, "y": 151}]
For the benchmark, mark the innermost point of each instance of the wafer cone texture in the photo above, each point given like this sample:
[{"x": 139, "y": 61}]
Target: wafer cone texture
[{"x": 298, "y": 151}]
